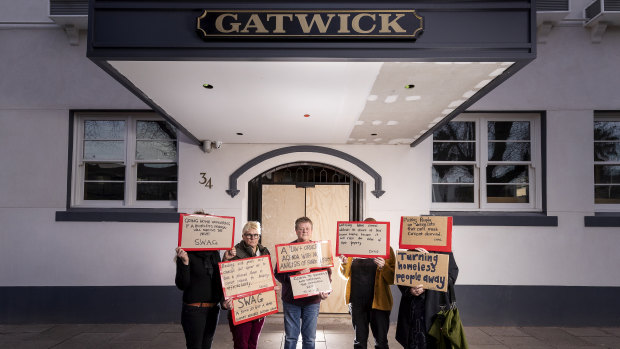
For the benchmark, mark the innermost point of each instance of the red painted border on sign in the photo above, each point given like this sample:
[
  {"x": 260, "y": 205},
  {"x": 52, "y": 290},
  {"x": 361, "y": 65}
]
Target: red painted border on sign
[
  {"x": 232, "y": 237},
  {"x": 238, "y": 295},
  {"x": 310, "y": 294},
  {"x": 387, "y": 242},
  {"x": 232, "y": 312},
  {"x": 329, "y": 244},
  {"x": 430, "y": 248}
]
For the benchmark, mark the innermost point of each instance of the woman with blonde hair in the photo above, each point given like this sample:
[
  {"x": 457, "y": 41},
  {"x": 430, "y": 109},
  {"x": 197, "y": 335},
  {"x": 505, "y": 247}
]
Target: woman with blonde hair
[{"x": 245, "y": 335}]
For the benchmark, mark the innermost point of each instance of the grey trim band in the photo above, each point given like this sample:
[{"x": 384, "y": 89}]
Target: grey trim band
[{"x": 232, "y": 179}]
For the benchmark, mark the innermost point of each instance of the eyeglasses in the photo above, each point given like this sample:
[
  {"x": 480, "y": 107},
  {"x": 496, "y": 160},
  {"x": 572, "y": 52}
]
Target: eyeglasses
[{"x": 252, "y": 236}]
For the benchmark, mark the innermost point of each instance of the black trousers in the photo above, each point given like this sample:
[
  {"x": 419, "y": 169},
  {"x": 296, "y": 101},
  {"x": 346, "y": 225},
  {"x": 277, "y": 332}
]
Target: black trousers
[
  {"x": 199, "y": 325},
  {"x": 379, "y": 321}
]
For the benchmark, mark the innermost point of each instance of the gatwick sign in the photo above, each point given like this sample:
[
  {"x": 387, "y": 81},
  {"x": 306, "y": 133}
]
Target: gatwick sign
[{"x": 310, "y": 24}]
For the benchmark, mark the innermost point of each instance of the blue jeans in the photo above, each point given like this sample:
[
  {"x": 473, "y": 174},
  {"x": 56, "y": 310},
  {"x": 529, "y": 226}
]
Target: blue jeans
[{"x": 308, "y": 315}]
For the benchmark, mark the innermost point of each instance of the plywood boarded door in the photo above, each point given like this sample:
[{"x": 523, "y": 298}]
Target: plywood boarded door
[{"x": 325, "y": 205}]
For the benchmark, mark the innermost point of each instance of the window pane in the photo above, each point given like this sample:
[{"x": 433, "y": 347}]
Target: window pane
[
  {"x": 104, "y": 129},
  {"x": 508, "y": 130},
  {"x": 157, "y": 191},
  {"x": 606, "y": 130},
  {"x": 156, "y": 150},
  {"x": 454, "y": 151},
  {"x": 104, "y": 150},
  {"x": 453, "y": 193},
  {"x": 607, "y": 174},
  {"x": 157, "y": 172},
  {"x": 508, "y": 194},
  {"x": 456, "y": 130},
  {"x": 606, "y": 151},
  {"x": 155, "y": 130},
  {"x": 453, "y": 174},
  {"x": 104, "y": 172},
  {"x": 104, "y": 191},
  {"x": 607, "y": 194},
  {"x": 507, "y": 174},
  {"x": 509, "y": 151}
]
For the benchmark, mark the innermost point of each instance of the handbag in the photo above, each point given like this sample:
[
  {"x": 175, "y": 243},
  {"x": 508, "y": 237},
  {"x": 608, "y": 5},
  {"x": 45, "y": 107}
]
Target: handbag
[{"x": 447, "y": 327}]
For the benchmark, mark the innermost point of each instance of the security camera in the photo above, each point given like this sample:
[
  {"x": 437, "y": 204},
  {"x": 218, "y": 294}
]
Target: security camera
[{"x": 217, "y": 144}]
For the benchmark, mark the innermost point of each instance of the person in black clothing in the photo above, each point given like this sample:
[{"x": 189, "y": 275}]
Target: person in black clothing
[
  {"x": 198, "y": 276},
  {"x": 418, "y": 308}
]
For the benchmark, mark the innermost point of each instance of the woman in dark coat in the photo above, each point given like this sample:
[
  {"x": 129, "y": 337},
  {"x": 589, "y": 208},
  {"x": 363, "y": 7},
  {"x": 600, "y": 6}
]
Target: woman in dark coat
[
  {"x": 198, "y": 276},
  {"x": 418, "y": 308}
]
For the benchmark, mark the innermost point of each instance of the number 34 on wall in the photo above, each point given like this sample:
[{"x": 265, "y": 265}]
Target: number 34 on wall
[{"x": 205, "y": 181}]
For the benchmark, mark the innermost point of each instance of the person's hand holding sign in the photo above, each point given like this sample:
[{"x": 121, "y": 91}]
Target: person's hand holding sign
[
  {"x": 230, "y": 254},
  {"x": 305, "y": 271},
  {"x": 380, "y": 262},
  {"x": 227, "y": 303},
  {"x": 324, "y": 295},
  {"x": 418, "y": 290},
  {"x": 182, "y": 255}
]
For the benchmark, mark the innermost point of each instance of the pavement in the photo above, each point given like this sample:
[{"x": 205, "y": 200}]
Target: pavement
[{"x": 332, "y": 332}]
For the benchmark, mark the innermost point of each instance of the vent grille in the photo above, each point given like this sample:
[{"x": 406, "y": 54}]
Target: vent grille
[
  {"x": 68, "y": 7},
  {"x": 612, "y": 5},
  {"x": 552, "y": 5},
  {"x": 593, "y": 9}
]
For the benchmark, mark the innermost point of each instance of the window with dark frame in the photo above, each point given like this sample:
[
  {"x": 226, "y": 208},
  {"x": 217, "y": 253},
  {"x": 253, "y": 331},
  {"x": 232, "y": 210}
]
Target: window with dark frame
[
  {"x": 607, "y": 162},
  {"x": 125, "y": 160},
  {"x": 486, "y": 163}
]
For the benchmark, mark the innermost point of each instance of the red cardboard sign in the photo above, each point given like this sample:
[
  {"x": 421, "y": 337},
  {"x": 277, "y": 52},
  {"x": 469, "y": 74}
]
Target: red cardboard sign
[
  {"x": 363, "y": 239},
  {"x": 204, "y": 232},
  {"x": 434, "y": 233}
]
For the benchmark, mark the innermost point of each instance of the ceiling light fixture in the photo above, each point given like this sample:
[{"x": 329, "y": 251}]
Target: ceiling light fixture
[{"x": 207, "y": 86}]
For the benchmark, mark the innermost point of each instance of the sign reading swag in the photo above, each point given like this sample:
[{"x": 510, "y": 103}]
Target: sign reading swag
[
  {"x": 203, "y": 232},
  {"x": 250, "y": 283},
  {"x": 310, "y": 24}
]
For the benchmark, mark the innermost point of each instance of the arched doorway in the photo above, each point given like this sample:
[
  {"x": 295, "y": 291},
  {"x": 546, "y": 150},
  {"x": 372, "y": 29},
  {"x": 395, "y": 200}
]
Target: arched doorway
[{"x": 324, "y": 193}]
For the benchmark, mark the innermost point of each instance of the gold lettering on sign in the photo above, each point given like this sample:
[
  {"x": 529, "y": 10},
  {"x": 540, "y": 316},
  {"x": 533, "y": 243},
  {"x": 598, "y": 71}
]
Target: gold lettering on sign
[
  {"x": 386, "y": 24},
  {"x": 219, "y": 24},
  {"x": 279, "y": 21},
  {"x": 356, "y": 23}
]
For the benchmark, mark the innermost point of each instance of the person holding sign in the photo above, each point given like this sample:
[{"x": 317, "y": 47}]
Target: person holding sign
[
  {"x": 245, "y": 335},
  {"x": 418, "y": 308},
  {"x": 369, "y": 296},
  {"x": 198, "y": 276},
  {"x": 301, "y": 314}
]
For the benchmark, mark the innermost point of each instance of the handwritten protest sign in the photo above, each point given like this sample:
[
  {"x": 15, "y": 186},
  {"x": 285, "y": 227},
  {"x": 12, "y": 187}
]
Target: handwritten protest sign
[
  {"x": 310, "y": 284},
  {"x": 433, "y": 233},
  {"x": 248, "y": 275},
  {"x": 301, "y": 255},
  {"x": 417, "y": 268},
  {"x": 363, "y": 239},
  {"x": 254, "y": 306},
  {"x": 202, "y": 232}
]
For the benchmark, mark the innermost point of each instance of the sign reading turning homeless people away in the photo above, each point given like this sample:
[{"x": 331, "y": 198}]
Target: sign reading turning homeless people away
[
  {"x": 245, "y": 276},
  {"x": 418, "y": 268},
  {"x": 310, "y": 24},
  {"x": 203, "y": 232},
  {"x": 363, "y": 239},
  {"x": 301, "y": 255},
  {"x": 310, "y": 284},
  {"x": 254, "y": 306},
  {"x": 433, "y": 233}
]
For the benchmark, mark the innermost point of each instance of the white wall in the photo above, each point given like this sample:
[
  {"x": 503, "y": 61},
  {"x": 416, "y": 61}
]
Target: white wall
[{"x": 44, "y": 77}]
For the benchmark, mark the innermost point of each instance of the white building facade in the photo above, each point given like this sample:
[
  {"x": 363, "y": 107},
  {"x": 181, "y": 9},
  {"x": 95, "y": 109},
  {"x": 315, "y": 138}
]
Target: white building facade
[{"x": 527, "y": 248}]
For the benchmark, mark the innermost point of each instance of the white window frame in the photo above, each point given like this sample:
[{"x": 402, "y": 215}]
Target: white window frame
[
  {"x": 603, "y": 207},
  {"x": 130, "y": 162},
  {"x": 480, "y": 192}
]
